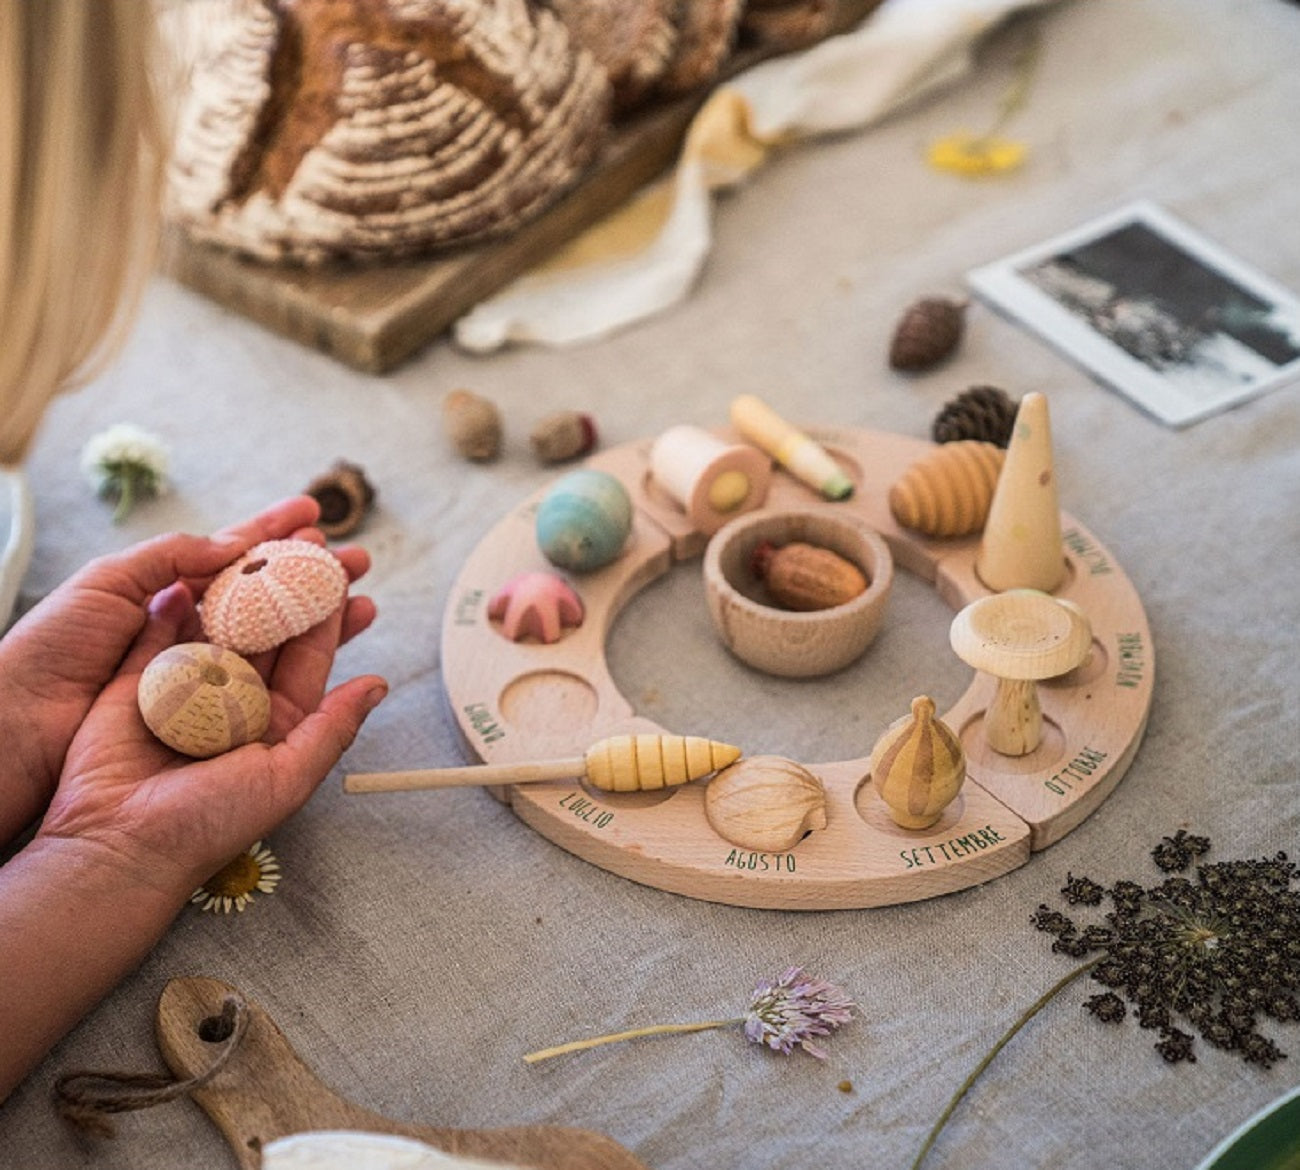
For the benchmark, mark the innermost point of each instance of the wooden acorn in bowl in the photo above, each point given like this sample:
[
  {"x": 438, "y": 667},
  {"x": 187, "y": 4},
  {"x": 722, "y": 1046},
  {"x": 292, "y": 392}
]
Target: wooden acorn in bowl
[{"x": 797, "y": 593}]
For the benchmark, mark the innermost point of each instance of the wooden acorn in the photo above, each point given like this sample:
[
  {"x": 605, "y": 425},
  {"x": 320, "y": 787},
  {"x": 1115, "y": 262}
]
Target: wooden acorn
[
  {"x": 562, "y": 436},
  {"x": 473, "y": 424},
  {"x": 618, "y": 763},
  {"x": 202, "y": 700},
  {"x": 765, "y": 803},
  {"x": 918, "y": 766},
  {"x": 948, "y": 491},
  {"x": 928, "y": 332},
  {"x": 805, "y": 577}
]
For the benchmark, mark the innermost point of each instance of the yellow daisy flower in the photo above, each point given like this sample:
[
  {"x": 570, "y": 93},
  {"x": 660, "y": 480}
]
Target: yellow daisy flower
[
  {"x": 976, "y": 154},
  {"x": 233, "y": 885}
]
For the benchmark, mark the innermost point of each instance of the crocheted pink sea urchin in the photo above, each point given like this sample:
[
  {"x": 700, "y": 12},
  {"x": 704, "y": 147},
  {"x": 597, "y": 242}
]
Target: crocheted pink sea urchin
[{"x": 274, "y": 592}]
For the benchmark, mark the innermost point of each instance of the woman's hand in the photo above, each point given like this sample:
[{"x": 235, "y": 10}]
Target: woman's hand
[
  {"x": 132, "y": 827},
  {"x": 172, "y": 821},
  {"x": 55, "y": 662}
]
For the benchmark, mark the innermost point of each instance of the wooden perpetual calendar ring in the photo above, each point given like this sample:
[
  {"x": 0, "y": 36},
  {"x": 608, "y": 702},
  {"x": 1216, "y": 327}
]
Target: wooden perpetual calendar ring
[{"x": 516, "y": 701}]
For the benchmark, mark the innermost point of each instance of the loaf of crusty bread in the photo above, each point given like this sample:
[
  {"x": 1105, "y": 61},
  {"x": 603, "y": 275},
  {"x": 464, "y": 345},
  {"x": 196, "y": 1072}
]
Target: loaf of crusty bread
[
  {"x": 653, "y": 48},
  {"x": 316, "y": 129}
]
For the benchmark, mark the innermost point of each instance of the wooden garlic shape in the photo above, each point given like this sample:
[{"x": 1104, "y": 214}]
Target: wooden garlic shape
[
  {"x": 918, "y": 766},
  {"x": 275, "y": 591},
  {"x": 765, "y": 803},
  {"x": 805, "y": 577},
  {"x": 202, "y": 700},
  {"x": 948, "y": 491}
]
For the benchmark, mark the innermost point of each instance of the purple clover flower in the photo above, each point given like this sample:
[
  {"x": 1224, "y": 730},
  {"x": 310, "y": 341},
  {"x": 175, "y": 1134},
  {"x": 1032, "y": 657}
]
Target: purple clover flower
[{"x": 794, "y": 1010}]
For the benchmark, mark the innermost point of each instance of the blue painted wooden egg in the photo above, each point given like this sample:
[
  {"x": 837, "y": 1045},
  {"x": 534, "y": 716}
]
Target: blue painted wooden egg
[{"x": 584, "y": 519}]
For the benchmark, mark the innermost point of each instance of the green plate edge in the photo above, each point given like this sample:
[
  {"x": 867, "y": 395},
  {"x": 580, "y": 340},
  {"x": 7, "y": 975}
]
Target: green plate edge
[{"x": 1268, "y": 1141}]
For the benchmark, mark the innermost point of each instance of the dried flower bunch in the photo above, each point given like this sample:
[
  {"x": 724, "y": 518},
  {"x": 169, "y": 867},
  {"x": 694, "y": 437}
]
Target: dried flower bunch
[
  {"x": 1219, "y": 951},
  {"x": 793, "y": 1011},
  {"x": 125, "y": 464}
]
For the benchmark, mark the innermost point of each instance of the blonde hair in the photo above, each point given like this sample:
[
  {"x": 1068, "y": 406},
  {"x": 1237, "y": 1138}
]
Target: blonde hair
[{"x": 82, "y": 151}]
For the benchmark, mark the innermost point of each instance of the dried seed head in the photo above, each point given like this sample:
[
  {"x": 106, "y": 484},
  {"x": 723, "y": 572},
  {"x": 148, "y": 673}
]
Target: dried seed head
[
  {"x": 927, "y": 333},
  {"x": 345, "y": 495}
]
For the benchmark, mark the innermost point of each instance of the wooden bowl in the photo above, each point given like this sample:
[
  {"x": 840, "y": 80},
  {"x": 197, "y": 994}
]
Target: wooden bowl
[{"x": 783, "y": 642}]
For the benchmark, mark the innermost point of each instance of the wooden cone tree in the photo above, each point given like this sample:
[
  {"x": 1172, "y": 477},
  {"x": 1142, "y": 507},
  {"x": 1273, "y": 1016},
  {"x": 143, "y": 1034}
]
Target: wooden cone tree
[{"x": 1021, "y": 548}]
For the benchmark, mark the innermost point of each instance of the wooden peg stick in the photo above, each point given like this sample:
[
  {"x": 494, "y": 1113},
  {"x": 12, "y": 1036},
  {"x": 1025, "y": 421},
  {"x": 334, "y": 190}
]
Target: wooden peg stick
[
  {"x": 619, "y": 763},
  {"x": 475, "y": 774}
]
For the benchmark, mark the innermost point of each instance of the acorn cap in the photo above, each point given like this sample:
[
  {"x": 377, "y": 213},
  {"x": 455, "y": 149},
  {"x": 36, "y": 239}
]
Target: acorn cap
[{"x": 1021, "y": 634}]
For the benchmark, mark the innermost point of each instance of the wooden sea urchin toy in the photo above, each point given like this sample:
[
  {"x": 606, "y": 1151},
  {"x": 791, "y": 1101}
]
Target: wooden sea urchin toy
[
  {"x": 202, "y": 700},
  {"x": 275, "y": 591}
]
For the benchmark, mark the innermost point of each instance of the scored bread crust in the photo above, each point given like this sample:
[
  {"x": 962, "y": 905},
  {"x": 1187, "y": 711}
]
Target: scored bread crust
[{"x": 362, "y": 128}]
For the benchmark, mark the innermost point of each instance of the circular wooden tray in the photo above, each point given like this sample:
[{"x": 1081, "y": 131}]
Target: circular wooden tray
[{"x": 527, "y": 701}]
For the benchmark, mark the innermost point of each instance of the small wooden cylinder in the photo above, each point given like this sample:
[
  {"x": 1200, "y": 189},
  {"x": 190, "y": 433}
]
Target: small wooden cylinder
[{"x": 714, "y": 481}]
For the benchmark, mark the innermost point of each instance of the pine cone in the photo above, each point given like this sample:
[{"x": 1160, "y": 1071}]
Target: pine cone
[
  {"x": 927, "y": 333},
  {"x": 982, "y": 412}
]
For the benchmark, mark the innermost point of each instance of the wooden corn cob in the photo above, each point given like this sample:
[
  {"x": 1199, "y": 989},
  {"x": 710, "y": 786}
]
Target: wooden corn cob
[
  {"x": 948, "y": 492},
  {"x": 619, "y": 763}
]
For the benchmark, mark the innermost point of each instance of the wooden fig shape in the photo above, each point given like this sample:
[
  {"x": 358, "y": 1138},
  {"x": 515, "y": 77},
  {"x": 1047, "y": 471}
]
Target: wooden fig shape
[
  {"x": 1021, "y": 547},
  {"x": 918, "y": 766},
  {"x": 265, "y": 1092}
]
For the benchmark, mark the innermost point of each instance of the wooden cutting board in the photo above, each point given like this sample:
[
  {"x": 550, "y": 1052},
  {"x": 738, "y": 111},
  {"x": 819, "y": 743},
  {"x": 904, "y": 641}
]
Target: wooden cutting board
[
  {"x": 265, "y": 1091},
  {"x": 374, "y": 317}
]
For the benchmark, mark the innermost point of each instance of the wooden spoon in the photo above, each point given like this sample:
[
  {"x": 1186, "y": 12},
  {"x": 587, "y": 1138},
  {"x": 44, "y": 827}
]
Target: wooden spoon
[{"x": 265, "y": 1092}]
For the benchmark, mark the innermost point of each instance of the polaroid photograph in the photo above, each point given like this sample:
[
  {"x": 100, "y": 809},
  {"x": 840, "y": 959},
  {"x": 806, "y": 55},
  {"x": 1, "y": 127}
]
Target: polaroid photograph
[{"x": 1152, "y": 308}]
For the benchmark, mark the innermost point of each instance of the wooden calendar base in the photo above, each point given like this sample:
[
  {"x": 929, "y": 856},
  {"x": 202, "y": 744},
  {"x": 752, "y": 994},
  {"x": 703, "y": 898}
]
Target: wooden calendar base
[{"x": 526, "y": 700}]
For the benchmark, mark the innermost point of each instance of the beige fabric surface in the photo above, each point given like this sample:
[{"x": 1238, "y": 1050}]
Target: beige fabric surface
[{"x": 419, "y": 945}]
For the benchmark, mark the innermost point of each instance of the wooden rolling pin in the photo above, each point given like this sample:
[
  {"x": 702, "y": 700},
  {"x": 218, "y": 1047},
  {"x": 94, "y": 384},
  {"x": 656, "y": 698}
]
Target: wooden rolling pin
[{"x": 619, "y": 763}]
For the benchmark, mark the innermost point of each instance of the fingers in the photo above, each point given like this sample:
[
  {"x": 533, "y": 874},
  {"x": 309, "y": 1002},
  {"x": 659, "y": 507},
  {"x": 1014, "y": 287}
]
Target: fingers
[
  {"x": 169, "y": 614},
  {"x": 143, "y": 570},
  {"x": 311, "y": 749},
  {"x": 358, "y": 615},
  {"x": 275, "y": 523}
]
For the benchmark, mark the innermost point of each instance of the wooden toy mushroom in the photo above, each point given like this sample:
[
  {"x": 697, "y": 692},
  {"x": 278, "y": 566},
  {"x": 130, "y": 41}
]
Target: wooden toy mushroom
[{"x": 1020, "y": 637}]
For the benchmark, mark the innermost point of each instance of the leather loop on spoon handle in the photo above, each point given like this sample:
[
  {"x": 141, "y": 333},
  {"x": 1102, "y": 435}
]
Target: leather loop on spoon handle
[{"x": 475, "y": 774}]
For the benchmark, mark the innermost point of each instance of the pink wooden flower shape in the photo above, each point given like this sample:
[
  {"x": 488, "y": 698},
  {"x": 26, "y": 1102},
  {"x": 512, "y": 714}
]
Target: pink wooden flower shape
[{"x": 538, "y": 604}]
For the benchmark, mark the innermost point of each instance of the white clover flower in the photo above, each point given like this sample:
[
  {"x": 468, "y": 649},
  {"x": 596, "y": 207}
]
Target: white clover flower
[{"x": 125, "y": 464}]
